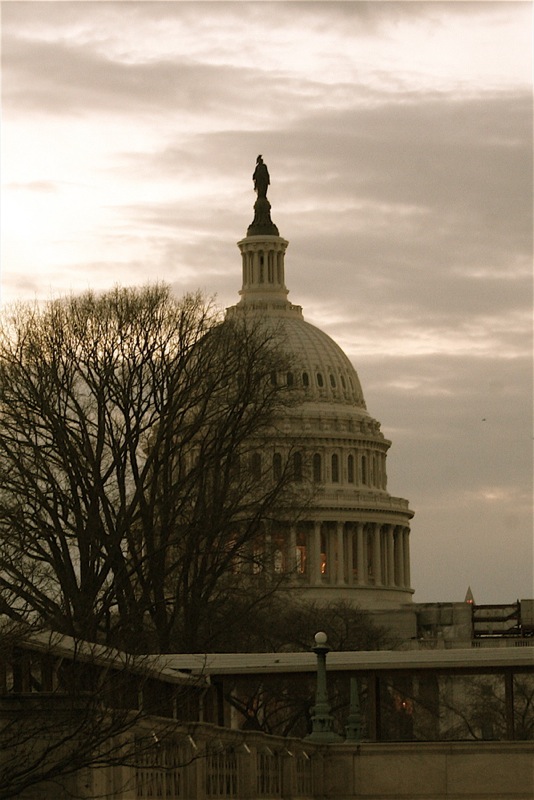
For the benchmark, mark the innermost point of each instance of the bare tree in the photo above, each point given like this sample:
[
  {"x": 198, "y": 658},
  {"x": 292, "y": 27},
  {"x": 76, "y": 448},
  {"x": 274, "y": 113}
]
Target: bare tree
[
  {"x": 68, "y": 707},
  {"x": 478, "y": 708},
  {"x": 282, "y": 705},
  {"x": 128, "y": 508}
]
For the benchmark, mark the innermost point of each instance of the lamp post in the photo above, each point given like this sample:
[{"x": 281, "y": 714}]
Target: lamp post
[
  {"x": 321, "y": 718},
  {"x": 354, "y": 723}
]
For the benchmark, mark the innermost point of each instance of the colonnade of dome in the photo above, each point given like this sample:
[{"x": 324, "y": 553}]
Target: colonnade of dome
[{"x": 343, "y": 554}]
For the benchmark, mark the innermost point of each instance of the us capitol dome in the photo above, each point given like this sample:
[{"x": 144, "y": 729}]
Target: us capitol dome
[{"x": 354, "y": 543}]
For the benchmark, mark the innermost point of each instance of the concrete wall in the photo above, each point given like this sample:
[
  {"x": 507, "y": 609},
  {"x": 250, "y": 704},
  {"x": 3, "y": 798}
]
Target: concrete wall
[{"x": 432, "y": 771}]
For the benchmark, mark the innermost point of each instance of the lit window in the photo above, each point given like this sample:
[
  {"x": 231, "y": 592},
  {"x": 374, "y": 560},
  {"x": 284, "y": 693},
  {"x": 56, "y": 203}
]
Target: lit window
[{"x": 324, "y": 558}]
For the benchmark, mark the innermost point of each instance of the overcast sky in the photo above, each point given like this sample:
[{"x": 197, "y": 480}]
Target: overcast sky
[{"x": 398, "y": 136}]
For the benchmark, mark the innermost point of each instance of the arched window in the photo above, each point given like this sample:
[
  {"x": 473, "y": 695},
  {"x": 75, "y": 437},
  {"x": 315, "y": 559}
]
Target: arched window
[
  {"x": 273, "y": 378},
  {"x": 364, "y": 469},
  {"x": 344, "y": 385},
  {"x": 320, "y": 381},
  {"x": 305, "y": 379},
  {"x": 236, "y": 468},
  {"x": 277, "y": 466},
  {"x": 335, "y": 468},
  {"x": 290, "y": 379},
  {"x": 350, "y": 469},
  {"x": 317, "y": 468},
  {"x": 255, "y": 466},
  {"x": 297, "y": 466},
  {"x": 332, "y": 381}
]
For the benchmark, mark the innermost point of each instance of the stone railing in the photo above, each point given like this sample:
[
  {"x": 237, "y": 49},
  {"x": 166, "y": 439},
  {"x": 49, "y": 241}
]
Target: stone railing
[
  {"x": 207, "y": 762},
  {"x": 217, "y": 763}
]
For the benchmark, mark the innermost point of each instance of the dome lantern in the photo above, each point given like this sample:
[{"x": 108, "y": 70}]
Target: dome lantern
[{"x": 262, "y": 253}]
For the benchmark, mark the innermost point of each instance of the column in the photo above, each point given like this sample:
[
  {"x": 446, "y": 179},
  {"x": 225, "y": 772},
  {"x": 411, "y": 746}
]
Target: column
[
  {"x": 350, "y": 555},
  {"x": 377, "y": 572},
  {"x": 331, "y": 561},
  {"x": 384, "y": 554},
  {"x": 361, "y": 561},
  {"x": 399, "y": 558},
  {"x": 256, "y": 267},
  {"x": 268, "y": 561},
  {"x": 406, "y": 549},
  {"x": 316, "y": 560},
  {"x": 292, "y": 555},
  {"x": 390, "y": 556},
  {"x": 340, "y": 576}
]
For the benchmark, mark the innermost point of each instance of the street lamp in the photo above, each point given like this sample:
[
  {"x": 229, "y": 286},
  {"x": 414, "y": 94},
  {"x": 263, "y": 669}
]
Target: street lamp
[
  {"x": 354, "y": 723},
  {"x": 321, "y": 718}
]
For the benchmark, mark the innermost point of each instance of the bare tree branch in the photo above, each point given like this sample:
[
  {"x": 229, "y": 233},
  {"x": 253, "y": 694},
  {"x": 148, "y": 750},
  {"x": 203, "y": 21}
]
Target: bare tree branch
[{"x": 128, "y": 422}]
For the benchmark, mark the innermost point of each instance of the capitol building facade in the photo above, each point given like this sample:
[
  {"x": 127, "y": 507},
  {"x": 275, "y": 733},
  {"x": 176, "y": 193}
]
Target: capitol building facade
[{"x": 353, "y": 543}]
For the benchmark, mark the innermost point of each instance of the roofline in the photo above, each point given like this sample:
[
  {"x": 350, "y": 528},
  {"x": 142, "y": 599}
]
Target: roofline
[
  {"x": 148, "y": 665},
  {"x": 355, "y": 661}
]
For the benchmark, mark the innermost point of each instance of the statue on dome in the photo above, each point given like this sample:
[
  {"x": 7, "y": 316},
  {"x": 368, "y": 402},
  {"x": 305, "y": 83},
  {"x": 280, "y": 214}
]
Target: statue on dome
[
  {"x": 261, "y": 177},
  {"x": 262, "y": 223}
]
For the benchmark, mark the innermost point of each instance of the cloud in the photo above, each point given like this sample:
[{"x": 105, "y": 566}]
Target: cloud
[
  {"x": 399, "y": 141},
  {"x": 461, "y": 433},
  {"x": 34, "y": 186},
  {"x": 59, "y": 78},
  {"x": 462, "y": 454}
]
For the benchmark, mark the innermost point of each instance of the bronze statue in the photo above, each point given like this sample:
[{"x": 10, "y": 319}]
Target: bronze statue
[
  {"x": 261, "y": 177},
  {"x": 262, "y": 223}
]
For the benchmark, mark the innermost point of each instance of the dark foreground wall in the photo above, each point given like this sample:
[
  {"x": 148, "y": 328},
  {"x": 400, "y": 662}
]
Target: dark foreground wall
[
  {"x": 210, "y": 763},
  {"x": 432, "y": 771}
]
